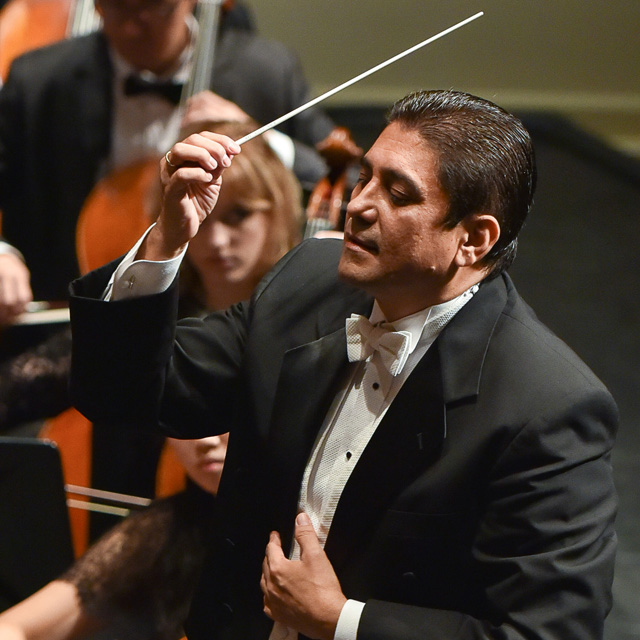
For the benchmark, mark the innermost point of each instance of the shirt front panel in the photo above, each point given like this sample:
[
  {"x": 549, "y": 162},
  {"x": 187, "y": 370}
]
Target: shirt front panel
[{"x": 145, "y": 126}]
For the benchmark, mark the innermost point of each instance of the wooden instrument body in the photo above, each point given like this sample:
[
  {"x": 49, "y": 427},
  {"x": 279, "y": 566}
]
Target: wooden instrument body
[
  {"x": 29, "y": 24},
  {"x": 324, "y": 209},
  {"x": 116, "y": 213}
]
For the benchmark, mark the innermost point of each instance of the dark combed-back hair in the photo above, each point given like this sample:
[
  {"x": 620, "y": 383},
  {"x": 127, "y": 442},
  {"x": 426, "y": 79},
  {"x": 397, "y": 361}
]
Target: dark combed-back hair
[{"x": 486, "y": 162}]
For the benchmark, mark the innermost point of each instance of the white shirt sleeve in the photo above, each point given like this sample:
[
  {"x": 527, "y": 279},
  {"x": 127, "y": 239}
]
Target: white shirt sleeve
[
  {"x": 282, "y": 145},
  {"x": 347, "y": 627},
  {"x": 134, "y": 278},
  {"x": 5, "y": 248}
]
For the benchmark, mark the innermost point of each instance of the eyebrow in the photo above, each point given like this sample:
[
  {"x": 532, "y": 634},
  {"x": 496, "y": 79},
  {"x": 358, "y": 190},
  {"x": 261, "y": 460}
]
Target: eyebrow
[{"x": 393, "y": 175}]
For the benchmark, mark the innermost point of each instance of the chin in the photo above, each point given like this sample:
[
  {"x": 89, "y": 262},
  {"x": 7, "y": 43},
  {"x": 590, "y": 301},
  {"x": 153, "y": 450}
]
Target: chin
[
  {"x": 208, "y": 484},
  {"x": 351, "y": 272}
]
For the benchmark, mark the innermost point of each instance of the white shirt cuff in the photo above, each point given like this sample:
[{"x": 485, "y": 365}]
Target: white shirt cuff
[
  {"x": 5, "y": 248},
  {"x": 347, "y": 627},
  {"x": 135, "y": 278},
  {"x": 282, "y": 145}
]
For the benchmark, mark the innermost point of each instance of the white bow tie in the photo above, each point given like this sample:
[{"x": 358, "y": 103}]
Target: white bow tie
[{"x": 363, "y": 339}]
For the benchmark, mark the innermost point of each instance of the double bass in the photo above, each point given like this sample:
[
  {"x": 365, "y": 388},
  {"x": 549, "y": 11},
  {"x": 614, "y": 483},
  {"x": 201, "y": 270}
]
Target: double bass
[{"x": 29, "y": 24}]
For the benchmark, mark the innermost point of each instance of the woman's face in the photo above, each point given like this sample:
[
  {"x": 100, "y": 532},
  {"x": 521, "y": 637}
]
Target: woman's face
[
  {"x": 233, "y": 243},
  {"x": 202, "y": 459}
]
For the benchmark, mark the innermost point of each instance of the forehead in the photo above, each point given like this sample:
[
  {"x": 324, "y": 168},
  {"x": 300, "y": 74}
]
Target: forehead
[
  {"x": 243, "y": 182},
  {"x": 401, "y": 150}
]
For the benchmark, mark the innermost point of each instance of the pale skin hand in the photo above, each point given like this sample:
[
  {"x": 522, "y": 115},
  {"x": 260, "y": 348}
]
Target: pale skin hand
[
  {"x": 302, "y": 594},
  {"x": 207, "y": 105},
  {"x": 9, "y": 632},
  {"x": 190, "y": 189},
  {"x": 15, "y": 291},
  {"x": 52, "y": 613}
]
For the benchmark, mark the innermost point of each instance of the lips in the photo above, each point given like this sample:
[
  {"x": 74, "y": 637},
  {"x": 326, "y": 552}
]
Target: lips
[
  {"x": 222, "y": 262},
  {"x": 363, "y": 243}
]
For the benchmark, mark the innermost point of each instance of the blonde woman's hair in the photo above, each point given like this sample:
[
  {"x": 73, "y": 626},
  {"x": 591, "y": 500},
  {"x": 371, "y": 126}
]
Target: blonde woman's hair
[{"x": 265, "y": 184}]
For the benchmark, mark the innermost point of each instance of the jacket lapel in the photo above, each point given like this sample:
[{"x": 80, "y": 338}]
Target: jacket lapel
[
  {"x": 463, "y": 344},
  {"x": 407, "y": 440},
  {"x": 308, "y": 383},
  {"x": 411, "y": 435}
]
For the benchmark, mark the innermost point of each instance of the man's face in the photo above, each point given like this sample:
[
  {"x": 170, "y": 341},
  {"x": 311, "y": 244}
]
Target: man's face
[
  {"x": 148, "y": 34},
  {"x": 395, "y": 244}
]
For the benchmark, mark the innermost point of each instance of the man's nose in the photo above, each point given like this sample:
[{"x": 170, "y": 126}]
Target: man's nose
[{"x": 362, "y": 204}]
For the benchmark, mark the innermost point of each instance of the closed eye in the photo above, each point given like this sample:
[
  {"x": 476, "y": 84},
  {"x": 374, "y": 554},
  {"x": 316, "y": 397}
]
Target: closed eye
[
  {"x": 399, "y": 198},
  {"x": 235, "y": 216},
  {"x": 363, "y": 178}
]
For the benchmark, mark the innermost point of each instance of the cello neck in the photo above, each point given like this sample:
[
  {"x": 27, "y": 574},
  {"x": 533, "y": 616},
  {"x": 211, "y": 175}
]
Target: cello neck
[
  {"x": 208, "y": 15},
  {"x": 83, "y": 18}
]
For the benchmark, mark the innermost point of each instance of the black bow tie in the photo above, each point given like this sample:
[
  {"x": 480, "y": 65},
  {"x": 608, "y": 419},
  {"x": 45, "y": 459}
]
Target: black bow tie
[{"x": 135, "y": 85}]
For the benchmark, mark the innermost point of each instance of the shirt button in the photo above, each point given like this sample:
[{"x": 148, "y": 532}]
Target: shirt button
[
  {"x": 226, "y": 613},
  {"x": 409, "y": 576}
]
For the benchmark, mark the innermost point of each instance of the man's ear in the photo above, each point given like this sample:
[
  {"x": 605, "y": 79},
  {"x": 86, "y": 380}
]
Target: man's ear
[{"x": 482, "y": 231}]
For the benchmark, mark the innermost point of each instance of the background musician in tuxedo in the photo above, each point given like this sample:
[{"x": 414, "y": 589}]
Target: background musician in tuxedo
[
  {"x": 437, "y": 465},
  {"x": 82, "y": 94}
]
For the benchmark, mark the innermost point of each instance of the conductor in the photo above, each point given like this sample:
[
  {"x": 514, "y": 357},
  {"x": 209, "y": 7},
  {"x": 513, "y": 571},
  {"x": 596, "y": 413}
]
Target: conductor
[{"x": 413, "y": 454}]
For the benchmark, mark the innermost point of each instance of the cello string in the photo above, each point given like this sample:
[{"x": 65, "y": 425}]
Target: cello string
[
  {"x": 208, "y": 20},
  {"x": 357, "y": 78}
]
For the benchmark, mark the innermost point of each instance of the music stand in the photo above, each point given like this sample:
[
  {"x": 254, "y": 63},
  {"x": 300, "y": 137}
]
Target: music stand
[{"x": 35, "y": 536}]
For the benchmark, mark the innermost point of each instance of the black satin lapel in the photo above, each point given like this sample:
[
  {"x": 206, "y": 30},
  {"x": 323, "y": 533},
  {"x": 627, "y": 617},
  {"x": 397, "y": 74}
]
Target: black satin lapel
[
  {"x": 408, "y": 439},
  {"x": 463, "y": 344},
  {"x": 306, "y": 388}
]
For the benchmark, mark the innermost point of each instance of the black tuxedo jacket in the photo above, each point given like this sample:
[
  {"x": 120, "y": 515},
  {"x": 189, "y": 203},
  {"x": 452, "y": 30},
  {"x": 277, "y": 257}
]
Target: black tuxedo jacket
[
  {"x": 55, "y": 136},
  {"x": 483, "y": 505}
]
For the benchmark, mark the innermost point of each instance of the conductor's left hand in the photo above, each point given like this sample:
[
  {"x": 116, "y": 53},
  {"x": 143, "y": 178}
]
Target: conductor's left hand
[{"x": 302, "y": 594}]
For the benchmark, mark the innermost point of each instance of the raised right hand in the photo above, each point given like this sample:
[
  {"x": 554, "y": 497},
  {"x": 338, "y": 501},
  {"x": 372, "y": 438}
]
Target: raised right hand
[
  {"x": 191, "y": 175},
  {"x": 15, "y": 290}
]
